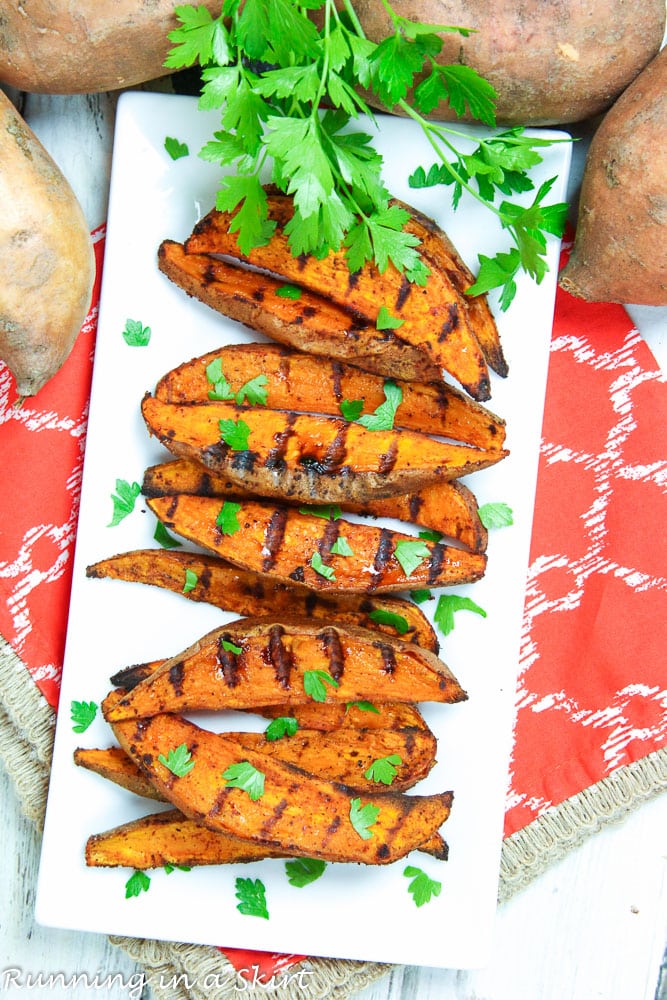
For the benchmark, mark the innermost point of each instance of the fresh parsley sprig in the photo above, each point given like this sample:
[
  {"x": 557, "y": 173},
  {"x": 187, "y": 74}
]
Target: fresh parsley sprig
[{"x": 287, "y": 90}]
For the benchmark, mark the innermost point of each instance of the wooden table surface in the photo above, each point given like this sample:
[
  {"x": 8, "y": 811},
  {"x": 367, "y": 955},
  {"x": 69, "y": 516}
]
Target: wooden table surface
[{"x": 593, "y": 927}]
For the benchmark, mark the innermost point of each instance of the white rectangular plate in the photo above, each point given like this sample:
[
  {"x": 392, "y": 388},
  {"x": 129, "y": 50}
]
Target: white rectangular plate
[{"x": 351, "y": 912}]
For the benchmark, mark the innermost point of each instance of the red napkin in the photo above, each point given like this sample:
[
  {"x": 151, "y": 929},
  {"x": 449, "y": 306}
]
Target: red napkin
[{"x": 591, "y": 694}]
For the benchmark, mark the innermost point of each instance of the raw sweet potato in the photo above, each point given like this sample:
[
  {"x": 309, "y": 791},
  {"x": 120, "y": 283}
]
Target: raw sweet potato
[
  {"x": 550, "y": 63},
  {"x": 266, "y": 662},
  {"x": 434, "y": 316},
  {"x": 310, "y": 384},
  {"x": 620, "y": 249},
  {"x": 309, "y": 323},
  {"x": 46, "y": 256},
  {"x": 217, "y": 582},
  {"x": 297, "y": 547},
  {"x": 307, "y": 457},
  {"x": 294, "y": 811},
  {"x": 447, "y": 507}
]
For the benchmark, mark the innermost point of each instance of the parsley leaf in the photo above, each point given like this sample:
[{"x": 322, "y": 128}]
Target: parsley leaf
[
  {"x": 163, "y": 538},
  {"x": 231, "y": 647},
  {"x": 251, "y": 895},
  {"x": 168, "y": 868},
  {"x": 411, "y": 555},
  {"x": 329, "y": 512},
  {"x": 83, "y": 714},
  {"x": 314, "y": 684},
  {"x": 227, "y": 519},
  {"x": 235, "y": 433},
  {"x": 362, "y": 817},
  {"x": 496, "y": 515},
  {"x": 191, "y": 580},
  {"x": 363, "y": 706},
  {"x": 244, "y": 775},
  {"x": 351, "y": 409},
  {"x": 385, "y": 321},
  {"x": 123, "y": 500},
  {"x": 430, "y": 535},
  {"x": 137, "y": 883},
  {"x": 289, "y": 292},
  {"x": 448, "y": 605},
  {"x": 303, "y": 871},
  {"x": 175, "y": 148},
  {"x": 422, "y": 888},
  {"x": 384, "y": 617},
  {"x": 221, "y": 388},
  {"x": 341, "y": 547},
  {"x": 384, "y": 769},
  {"x": 383, "y": 417},
  {"x": 421, "y": 595},
  {"x": 253, "y": 391},
  {"x": 179, "y": 760},
  {"x": 283, "y": 725},
  {"x": 136, "y": 334},
  {"x": 321, "y": 567}
]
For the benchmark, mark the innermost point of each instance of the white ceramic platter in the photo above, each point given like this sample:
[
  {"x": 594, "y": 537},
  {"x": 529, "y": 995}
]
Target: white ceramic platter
[{"x": 351, "y": 911}]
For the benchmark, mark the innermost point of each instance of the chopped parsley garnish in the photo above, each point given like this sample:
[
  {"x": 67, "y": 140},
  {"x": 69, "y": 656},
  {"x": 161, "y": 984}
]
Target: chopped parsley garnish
[
  {"x": 191, "y": 581},
  {"x": 221, "y": 391},
  {"x": 314, "y": 684},
  {"x": 351, "y": 409},
  {"x": 330, "y": 512},
  {"x": 168, "y": 868},
  {"x": 363, "y": 706},
  {"x": 179, "y": 760},
  {"x": 384, "y": 617},
  {"x": 411, "y": 555},
  {"x": 124, "y": 500},
  {"x": 385, "y": 321},
  {"x": 496, "y": 515},
  {"x": 384, "y": 769},
  {"x": 421, "y": 595},
  {"x": 176, "y": 148},
  {"x": 246, "y": 776},
  {"x": 430, "y": 535},
  {"x": 289, "y": 292},
  {"x": 363, "y": 817},
  {"x": 136, "y": 334},
  {"x": 320, "y": 567},
  {"x": 251, "y": 895},
  {"x": 422, "y": 888},
  {"x": 83, "y": 714},
  {"x": 137, "y": 883},
  {"x": 163, "y": 538},
  {"x": 383, "y": 417},
  {"x": 448, "y": 605},
  {"x": 303, "y": 871},
  {"x": 230, "y": 647},
  {"x": 227, "y": 519},
  {"x": 284, "y": 725},
  {"x": 341, "y": 547},
  {"x": 235, "y": 434},
  {"x": 253, "y": 391}
]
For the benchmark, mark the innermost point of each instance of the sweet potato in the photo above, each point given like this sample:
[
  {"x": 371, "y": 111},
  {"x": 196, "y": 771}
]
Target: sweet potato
[
  {"x": 447, "y": 507},
  {"x": 620, "y": 249},
  {"x": 246, "y": 593},
  {"x": 308, "y": 323},
  {"x": 310, "y": 384},
  {"x": 113, "y": 764},
  {"x": 84, "y": 46},
  {"x": 550, "y": 63},
  {"x": 46, "y": 257},
  {"x": 307, "y": 457},
  {"x": 434, "y": 316},
  {"x": 296, "y": 812},
  {"x": 289, "y": 544},
  {"x": 265, "y": 662}
]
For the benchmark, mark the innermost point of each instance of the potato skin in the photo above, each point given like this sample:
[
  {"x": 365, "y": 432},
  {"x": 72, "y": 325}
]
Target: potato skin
[
  {"x": 620, "y": 250},
  {"x": 550, "y": 61},
  {"x": 86, "y": 46},
  {"x": 46, "y": 257}
]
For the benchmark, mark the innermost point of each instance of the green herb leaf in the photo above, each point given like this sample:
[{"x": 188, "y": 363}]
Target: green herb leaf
[
  {"x": 191, "y": 580},
  {"x": 321, "y": 567},
  {"x": 251, "y": 895},
  {"x": 168, "y": 869},
  {"x": 136, "y": 334},
  {"x": 314, "y": 684},
  {"x": 385, "y": 321},
  {"x": 235, "y": 433},
  {"x": 282, "y": 726},
  {"x": 289, "y": 292},
  {"x": 448, "y": 605},
  {"x": 422, "y": 888},
  {"x": 179, "y": 760},
  {"x": 431, "y": 536},
  {"x": 230, "y": 647},
  {"x": 384, "y": 769},
  {"x": 351, "y": 409},
  {"x": 496, "y": 515},
  {"x": 411, "y": 555},
  {"x": 363, "y": 706},
  {"x": 341, "y": 547},
  {"x": 123, "y": 500},
  {"x": 163, "y": 538},
  {"x": 303, "y": 871},
  {"x": 137, "y": 883},
  {"x": 227, "y": 519},
  {"x": 384, "y": 617},
  {"x": 221, "y": 388},
  {"x": 83, "y": 714},
  {"x": 383, "y": 417},
  {"x": 244, "y": 775},
  {"x": 329, "y": 512},
  {"x": 363, "y": 817},
  {"x": 421, "y": 595},
  {"x": 254, "y": 391},
  {"x": 175, "y": 148}
]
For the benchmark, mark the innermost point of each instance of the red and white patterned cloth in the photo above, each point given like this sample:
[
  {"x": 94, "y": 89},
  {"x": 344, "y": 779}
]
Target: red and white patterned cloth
[{"x": 592, "y": 692}]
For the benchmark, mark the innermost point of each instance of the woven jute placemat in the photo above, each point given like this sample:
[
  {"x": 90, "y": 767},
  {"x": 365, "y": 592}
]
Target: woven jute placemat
[{"x": 194, "y": 972}]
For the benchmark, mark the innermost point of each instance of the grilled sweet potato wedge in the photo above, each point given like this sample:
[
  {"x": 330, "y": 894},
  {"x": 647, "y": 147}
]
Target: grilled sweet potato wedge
[
  {"x": 311, "y": 458},
  {"x": 309, "y": 384},
  {"x": 309, "y": 323},
  {"x": 263, "y": 662},
  {"x": 113, "y": 764},
  {"x": 254, "y": 594},
  {"x": 434, "y": 315},
  {"x": 296, "y": 547},
  {"x": 295, "y": 812},
  {"x": 447, "y": 507},
  {"x": 170, "y": 838}
]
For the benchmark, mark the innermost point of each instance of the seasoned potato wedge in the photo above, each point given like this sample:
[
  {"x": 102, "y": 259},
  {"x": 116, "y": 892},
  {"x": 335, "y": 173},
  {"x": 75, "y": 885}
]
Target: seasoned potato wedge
[
  {"x": 265, "y": 662},
  {"x": 310, "y": 384},
  {"x": 243, "y": 592},
  {"x": 295, "y": 811},
  {"x": 308, "y": 457},
  {"x": 296, "y": 547},
  {"x": 309, "y": 323}
]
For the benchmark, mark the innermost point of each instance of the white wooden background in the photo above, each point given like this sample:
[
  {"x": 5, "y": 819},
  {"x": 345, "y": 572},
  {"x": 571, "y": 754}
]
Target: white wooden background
[{"x": 593, "y": 927}]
